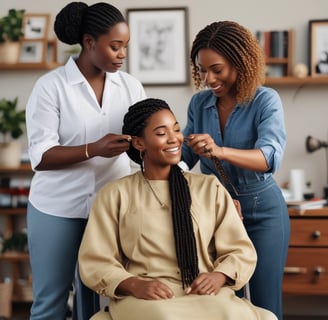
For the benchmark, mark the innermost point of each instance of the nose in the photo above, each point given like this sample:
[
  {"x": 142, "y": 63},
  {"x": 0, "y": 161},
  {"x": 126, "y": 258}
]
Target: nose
[
  {"x": 209, "y": 78},
  {"x": 122, "y": 53}
]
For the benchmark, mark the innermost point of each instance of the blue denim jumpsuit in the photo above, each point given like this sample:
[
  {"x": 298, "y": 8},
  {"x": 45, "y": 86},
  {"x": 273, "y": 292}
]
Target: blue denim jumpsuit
[{"x": 257, "y": 125}]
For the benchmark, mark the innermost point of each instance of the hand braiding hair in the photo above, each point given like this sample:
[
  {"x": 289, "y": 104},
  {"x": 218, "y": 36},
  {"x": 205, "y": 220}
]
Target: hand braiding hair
[{"x": 186, "y": 251}]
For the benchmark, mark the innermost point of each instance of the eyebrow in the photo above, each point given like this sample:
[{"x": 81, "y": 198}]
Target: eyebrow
[{"x": 163, "y": 126}]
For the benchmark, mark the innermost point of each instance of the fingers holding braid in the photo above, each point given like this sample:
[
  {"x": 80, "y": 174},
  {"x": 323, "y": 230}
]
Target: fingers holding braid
[{"x": 201, "y": 144}]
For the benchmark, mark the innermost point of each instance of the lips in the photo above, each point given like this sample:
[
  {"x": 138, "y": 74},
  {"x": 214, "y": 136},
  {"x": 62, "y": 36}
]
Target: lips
[
  {"x": 175, "y": 149},
  {"x": 217, "y": 89}
]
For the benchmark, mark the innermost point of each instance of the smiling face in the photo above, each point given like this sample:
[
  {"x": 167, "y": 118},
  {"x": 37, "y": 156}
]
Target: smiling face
[
  {"x": 109, "y": 50},
  {"x": 161, "y": 144},
  {"x": 217, "y": 73}
]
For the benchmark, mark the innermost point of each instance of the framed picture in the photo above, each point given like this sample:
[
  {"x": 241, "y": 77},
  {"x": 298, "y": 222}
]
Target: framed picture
[
  {"x": 157, "y": 52},
  {"x": 32, "y": 51},
  {"x": 35, "y": 26},
  {"x": 318, "y": 45}
]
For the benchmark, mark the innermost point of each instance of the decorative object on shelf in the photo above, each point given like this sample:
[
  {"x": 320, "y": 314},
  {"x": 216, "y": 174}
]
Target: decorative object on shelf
[
  {"x": 34, "y": 45},
  {"x": 36, "y": 26},
  {"x": 6, "y": 292},
  {"x": 318, "y": 45},
  {"x": 312, "y": 144},
  {"x": 17, "y": 243},
  {"x": 158, "y": 45},
  {"x": 32, "y": 51},
  {"x": 300, "y": 70},
  {"x": 12, "y": 124},
  {"x": 278, "y": 46},
  {"x": 11, "y": 30}
]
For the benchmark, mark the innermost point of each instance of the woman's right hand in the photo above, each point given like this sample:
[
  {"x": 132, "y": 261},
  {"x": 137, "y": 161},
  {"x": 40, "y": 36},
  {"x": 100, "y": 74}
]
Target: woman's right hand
[
  {"x": 110, "y": 145},
  {"x": 144, "y": 289}
]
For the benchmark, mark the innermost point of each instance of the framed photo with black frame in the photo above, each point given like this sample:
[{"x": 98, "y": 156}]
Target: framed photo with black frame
[
  {"x": 157, "y": 51},
  {"x": 318, "y": 47}
]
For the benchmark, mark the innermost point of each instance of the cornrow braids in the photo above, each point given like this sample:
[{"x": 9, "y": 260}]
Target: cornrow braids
[
  {"x": 134, "y": 123},
  {"x": 239, "y": 46},
  {"x": 77, "y": 19}
]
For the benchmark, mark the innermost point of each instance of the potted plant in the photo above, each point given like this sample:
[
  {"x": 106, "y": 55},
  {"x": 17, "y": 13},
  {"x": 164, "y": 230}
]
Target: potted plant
[
  {"x": 11, "y": 30},
  {"x": 12, "y": 124}
]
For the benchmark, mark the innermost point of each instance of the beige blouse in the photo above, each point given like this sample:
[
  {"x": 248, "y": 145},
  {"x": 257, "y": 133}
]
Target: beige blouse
[{"x": 130, "y": 234}]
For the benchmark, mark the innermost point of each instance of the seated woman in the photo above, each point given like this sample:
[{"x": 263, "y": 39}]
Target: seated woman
[{"x": 162, "y": 243}]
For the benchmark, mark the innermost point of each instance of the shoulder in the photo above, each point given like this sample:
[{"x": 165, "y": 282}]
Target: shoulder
[
  {"x": 201, "y": 180},
  {"x": 203, "y": 96},
  {"x": 266, "y": 93},
  {"x": 125, "y": 77},
  {"x": 121, "y": 184}
]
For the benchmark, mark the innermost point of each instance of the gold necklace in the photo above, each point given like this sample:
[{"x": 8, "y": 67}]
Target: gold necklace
[{"x": 162, "y": 204}]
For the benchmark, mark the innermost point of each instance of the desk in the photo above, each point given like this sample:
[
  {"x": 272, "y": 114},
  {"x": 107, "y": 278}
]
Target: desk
[{"x": 306, "y": 271}]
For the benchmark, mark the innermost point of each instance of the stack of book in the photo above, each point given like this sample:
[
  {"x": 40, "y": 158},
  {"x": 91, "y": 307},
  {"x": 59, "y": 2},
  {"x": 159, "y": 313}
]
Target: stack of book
[
  {"x": 275, "y": 45},
  {"x": 307, "y": 204}
]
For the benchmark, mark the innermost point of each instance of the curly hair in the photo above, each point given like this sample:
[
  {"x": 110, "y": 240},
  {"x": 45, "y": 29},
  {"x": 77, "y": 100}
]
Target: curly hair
[
  {"x": 77, "y": 19},
  {"x": 240, "y": 47},
  {"x": 134, "y": 123}
]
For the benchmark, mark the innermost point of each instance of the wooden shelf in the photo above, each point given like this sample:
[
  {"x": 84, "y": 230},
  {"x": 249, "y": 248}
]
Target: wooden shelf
[
  {"x": 13, "y": 256},
  {"x": 29, "y": 66},
  {"x": 24, "y": 168},
  {"x": 319, "y": 80},
  {"x": 12, "y": 211}
]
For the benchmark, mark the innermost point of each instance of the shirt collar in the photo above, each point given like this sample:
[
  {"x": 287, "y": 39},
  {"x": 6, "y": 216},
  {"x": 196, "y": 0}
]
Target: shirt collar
[{"x": 74, "y": 75}]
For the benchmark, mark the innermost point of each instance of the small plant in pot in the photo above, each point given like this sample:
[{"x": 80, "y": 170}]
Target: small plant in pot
[
  {"x": 11, "y": 30},
  {"x": 12, "y": 125}
]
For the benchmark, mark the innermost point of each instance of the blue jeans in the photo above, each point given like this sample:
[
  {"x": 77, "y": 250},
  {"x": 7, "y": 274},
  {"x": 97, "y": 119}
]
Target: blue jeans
[
  {"x": 267, "y": 223},
  {"x": 53, "y": 247}
]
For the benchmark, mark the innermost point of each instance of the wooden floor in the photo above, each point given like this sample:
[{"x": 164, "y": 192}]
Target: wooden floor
[{"x": 21, "y": 312}]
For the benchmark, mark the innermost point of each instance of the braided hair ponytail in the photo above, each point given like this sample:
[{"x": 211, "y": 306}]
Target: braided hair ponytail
[{"x": 185, "y": 244}]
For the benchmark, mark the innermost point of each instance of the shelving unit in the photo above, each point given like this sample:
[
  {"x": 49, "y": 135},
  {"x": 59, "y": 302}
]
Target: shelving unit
[
  {"x": 50, "y": 62},
  {"x": 13, "y": 264}
]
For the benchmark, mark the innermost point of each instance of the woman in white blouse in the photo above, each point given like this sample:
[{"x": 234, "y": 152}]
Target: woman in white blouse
[{"x": 74, "y": 119}]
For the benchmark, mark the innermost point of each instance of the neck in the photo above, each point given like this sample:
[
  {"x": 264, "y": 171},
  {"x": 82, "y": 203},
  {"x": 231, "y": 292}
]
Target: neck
[{"x": 157, "y": 173}]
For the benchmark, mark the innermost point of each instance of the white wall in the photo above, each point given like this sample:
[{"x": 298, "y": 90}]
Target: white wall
[{"x": 306, "y": 108}]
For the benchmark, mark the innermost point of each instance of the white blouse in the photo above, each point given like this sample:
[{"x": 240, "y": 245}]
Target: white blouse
[{"x": 63, "y": 110}]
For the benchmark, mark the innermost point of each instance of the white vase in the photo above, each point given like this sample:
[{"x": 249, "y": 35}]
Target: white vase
[
  {"x": 10, "y": 154},
  {"x": 9, "y": 52}
]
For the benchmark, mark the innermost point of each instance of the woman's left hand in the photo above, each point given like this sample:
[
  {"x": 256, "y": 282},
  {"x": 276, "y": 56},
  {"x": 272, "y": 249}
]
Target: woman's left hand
[{"x": 207, "y": 283}]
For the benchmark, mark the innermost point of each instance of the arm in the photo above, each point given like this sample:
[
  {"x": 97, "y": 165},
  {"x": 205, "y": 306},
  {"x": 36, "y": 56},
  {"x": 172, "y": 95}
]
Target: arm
[
  {"x": 59, "y": 157},
  {"x": 266, "y": 152}
]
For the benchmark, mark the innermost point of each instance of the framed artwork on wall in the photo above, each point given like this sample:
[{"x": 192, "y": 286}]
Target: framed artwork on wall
[
  {"x": 35, "y": 26},
  {"x": 32, "y": 51},
  {"x": 157, "y": 51},
  {"x": 318, "y": 45}
]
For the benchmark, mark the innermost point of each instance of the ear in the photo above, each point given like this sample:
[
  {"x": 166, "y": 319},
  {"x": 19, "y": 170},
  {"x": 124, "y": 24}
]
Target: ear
[
  {"x": 88, "y": 41},
  {"x": 138, "y": 143}
]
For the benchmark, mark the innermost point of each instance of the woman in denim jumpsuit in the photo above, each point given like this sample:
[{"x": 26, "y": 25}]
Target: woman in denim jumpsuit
[{"x": 235, "y": 128}]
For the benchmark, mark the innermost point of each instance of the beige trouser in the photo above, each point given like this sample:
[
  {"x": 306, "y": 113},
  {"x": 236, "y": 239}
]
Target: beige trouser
[{"x": 263, "y": 313}]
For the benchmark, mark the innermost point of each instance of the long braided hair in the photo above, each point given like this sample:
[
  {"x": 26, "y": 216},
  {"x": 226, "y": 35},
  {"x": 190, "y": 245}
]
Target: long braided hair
[
  {"x": 134, "y": 123},
  {"x": 239, "y": 46},
  {"x": 77, "y": 19}
]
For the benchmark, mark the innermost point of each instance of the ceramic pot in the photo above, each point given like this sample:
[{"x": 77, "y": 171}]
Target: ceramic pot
[
  {"x": 9, "y": 52},
  {"x": 10, "y": 154}
]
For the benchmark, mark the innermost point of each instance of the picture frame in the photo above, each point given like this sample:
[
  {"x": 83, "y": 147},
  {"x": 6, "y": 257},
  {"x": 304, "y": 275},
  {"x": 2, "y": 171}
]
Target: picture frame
[
  {"x": 157, "y": 51},
  {"x": 32, "y": 51},
  {"x": 318, "y": 47},
  {"x": 36, "y": 26}
]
